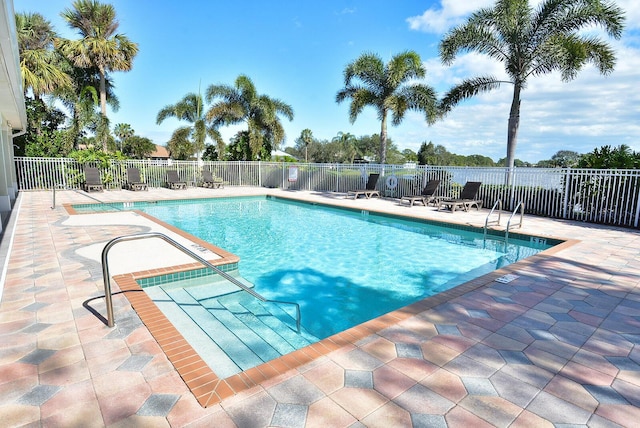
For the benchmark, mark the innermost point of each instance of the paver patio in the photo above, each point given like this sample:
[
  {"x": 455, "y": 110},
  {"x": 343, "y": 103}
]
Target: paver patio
[{"x": 559, "y": 345}]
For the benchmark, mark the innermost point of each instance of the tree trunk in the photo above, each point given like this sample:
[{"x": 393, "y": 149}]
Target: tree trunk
[
  {"x": 512, "y": 133},
  {"x": 103, "y": 103},
  {"x": 383, "y": 138}
]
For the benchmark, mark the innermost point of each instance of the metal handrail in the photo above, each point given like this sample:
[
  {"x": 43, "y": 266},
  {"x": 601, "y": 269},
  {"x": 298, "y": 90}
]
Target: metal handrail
[
  {"x": 497, "y": 203},
  {"x": 107, "y": 277},
  {"x": 506, "y": 232}
]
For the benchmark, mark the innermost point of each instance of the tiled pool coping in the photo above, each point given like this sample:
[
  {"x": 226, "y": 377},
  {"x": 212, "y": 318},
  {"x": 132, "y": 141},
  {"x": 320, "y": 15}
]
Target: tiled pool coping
[{"x": 203, "y": 382}]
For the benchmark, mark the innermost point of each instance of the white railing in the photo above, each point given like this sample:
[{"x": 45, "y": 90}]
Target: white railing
[{"x": 598, "y": 196}]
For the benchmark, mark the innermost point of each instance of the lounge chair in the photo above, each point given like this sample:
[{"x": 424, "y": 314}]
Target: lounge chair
[
  {"x": 426, "y": 196},
  {"x": 209, "y": 181},
  {"x": 134, "y": 182},
  {"x": 369, "y": 190},
  {"x": 92, "y": 179},
  {"x": 468, "y": 198},
  {"x": 173, "y": 181}
]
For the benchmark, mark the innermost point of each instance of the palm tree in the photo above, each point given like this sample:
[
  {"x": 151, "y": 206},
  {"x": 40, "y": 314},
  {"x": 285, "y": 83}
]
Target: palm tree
[
  {"x": 530, "y": 43},
  {"x": 307, "y": 138},
  {"x": 40, "y": 65},
  {"x": 241, "y": 103},
  {"x": 82, "y": 98},
  {"x": 347, "y": 144},
  {"x": 123, "y": 131},
  {"x": 190, "y": 109},
  {"x": 370, "y": 82},
  {"x": 100, "y": 46}
]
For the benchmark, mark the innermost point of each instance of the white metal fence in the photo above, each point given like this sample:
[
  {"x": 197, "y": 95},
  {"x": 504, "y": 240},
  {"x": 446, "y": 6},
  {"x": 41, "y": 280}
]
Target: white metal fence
[{"x": 598, "y": 196}]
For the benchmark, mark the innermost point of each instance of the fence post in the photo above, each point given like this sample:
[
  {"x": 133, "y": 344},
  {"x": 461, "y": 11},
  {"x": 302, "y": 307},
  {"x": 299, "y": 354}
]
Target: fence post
[{"x": 565, "y": 201}]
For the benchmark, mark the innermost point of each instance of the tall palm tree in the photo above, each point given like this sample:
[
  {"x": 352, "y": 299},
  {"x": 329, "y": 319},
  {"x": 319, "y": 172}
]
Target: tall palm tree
[
  {"x": 123, "y": 131},
  {"x": 387, "y": 88},
  {"x": 307, "y": 138},
  {"x": 100, "y": 46},
  {"x": 530, "y": 43},
  {"x": 190, "y": 109},
  {"x": 241, "y": 103},
  {"x": 41, "y": 66}
]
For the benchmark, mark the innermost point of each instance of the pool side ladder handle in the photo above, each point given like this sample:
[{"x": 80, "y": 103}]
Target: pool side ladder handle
[
  {"x": 497, "y": 204},
  {"x": 506, "y": 232},
  {"x": 225, "y": 275}
]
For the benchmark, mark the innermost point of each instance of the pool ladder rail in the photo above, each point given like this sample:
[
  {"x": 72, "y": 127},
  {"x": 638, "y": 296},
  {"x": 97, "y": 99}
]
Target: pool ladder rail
[
  {"x": 498, "y": 204},
  {"x": 225, "y": 275}
]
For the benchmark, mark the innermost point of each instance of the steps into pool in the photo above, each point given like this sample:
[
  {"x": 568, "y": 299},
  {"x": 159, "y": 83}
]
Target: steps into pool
[{"x": 231, "y": 331}]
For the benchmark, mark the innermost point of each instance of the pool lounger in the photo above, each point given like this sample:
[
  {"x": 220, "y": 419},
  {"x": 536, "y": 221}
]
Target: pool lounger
[
  {"x": 370, "y": 189},
  {"x": 467, "y": 199}
]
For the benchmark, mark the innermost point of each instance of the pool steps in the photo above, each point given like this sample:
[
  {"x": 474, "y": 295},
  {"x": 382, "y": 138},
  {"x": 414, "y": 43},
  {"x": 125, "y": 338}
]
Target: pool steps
[{"x": 231, "y": 332}]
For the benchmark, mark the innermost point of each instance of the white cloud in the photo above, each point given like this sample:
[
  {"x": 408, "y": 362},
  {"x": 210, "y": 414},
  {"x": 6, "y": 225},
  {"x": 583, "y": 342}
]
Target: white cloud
[
  {"x": 588, "y": 112},
  {"x": 438, "y": 19}
]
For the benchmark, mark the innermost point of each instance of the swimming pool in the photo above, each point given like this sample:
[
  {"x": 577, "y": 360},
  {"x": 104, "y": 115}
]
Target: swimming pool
[{"x": 342, "y": 266}]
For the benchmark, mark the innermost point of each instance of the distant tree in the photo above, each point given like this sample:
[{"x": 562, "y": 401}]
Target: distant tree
[
  {"x": 190, "y": 109},
  {"x": 241, "y": 103},
  {"x": 410, "y": 155},
  {"x": 479, "y": 160},
  {"x": 138, "y": 147},
  {"x": 306, "y": 136},
  {"x": 607, "y": 157},
  {"x": 346, "y": 145},
  {"x": 531, "y": 43},
  {"x": 100, "y": 45},
  {"x": 565, "y": 158},
  {"x": 516, "y": 162},
  {"x": 387, "y": 88},
  {"x": 122, "y": 131}
]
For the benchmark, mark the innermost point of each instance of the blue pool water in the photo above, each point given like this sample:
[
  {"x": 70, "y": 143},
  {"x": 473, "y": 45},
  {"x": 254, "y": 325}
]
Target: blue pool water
[{"x": 343, "y": 267}]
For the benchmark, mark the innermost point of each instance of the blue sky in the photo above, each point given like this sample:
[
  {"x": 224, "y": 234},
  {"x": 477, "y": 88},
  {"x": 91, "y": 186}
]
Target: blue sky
[{"x": 296, "y": 51}]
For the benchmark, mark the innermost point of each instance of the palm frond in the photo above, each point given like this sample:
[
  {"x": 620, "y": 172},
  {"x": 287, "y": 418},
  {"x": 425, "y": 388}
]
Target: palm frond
[{"x": 467, "y": 89}]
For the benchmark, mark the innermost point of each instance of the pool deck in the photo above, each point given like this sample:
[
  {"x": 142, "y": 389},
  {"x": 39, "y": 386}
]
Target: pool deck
[{"x": 558, "y": 345}]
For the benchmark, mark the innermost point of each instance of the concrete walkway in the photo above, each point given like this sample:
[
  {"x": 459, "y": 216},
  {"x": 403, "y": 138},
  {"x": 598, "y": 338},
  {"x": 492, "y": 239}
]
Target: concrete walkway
[{"x": 558, "y": 346}]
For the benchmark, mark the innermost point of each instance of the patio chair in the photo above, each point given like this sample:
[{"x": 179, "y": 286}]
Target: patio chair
[
  {"x": 426, "y": 196},
  {"x": 369, "y": 190},
  {"x": 173, "y": 181},
  {"x": 134, "y": 182},
  {"x": 92, "y": 179},
  {"x": 211, "y": 182},
  {"x": 468, "y": 198}
]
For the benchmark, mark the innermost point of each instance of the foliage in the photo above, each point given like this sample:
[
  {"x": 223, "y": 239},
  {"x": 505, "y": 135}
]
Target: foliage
[
  {"x": 239, "y": 148},
  {"x": 561, "y": 159},
  {"x": 210, "y": 153},
  {"x": 430, "y": 154},
  {"x": 370, "y": 82},
  {"x": 43, "y": 122},
  {"x": 516, "y": 162},
  {"x": 191, "y": 109},
  {"x": 99, "y": 46},
  {"x": 606, "y": 157},
  {"x": 241, "y": 103},
  {"x": 138, "y": 147},
  {"x": 41, "y": 66},
  {"x": 122, "y": 131},
  {"x": 93, "y": 156},
  {"x": 531, "y": 43}
]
